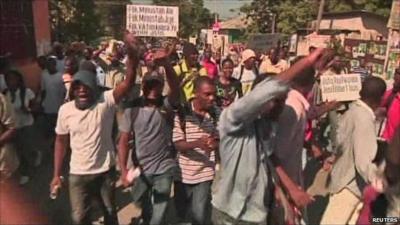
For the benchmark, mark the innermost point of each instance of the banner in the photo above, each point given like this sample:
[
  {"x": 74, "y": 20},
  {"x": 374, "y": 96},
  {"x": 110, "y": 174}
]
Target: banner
[
  {"x": 345, "y": 87},
  {"x": 263, "y": 42},
  {"x": 152, "y": 21},
  {"x": 315, "y": 40}
]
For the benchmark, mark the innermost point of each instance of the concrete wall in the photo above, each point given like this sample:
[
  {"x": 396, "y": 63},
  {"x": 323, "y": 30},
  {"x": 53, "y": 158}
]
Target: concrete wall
[{"x": 32, "y": 73}]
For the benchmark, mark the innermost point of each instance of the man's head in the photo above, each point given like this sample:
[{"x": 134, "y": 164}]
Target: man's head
[
  {"x": 14, "y": 80},
  {"x": 71, "y": 65},
  {"x": 88, "y": 53},
  {"x": 372, "y": 91},
  {"x": 205, "y": 92},
  {"x": 190, "y": 54},
  {"x": 248, "y": 59},
  {"x": 153, "y": 85},
  {"x": 304, "y": 81},
  {"x": 207, "y": 54},
  {"x": 273, "y": 108},
  {"x": 51, "y": 65},
  {"x": 396, "y": 80},
  {"x": 274, "y": 55},
  {"x": 84, "y": 89},
  {"x": 41, "y": 61},
  {"x": 337, "y": 65},
  {"x": 58, "y": 51}
]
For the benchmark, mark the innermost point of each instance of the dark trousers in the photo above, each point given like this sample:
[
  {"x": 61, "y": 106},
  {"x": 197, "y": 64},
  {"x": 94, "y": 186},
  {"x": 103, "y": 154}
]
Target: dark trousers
[
  {"x": 24, "y": 143},
  {"x": 84, "y": 188},
  {"x": 194, "y": 199}
]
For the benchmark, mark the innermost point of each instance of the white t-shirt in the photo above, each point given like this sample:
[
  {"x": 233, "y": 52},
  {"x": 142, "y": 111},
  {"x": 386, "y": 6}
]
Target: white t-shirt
[
  {"x": 90, "y": 130},
  {"x": 22, "y": 118},
  {"x": 247, "y": 79},
  {"x": 55, "y": 91}
]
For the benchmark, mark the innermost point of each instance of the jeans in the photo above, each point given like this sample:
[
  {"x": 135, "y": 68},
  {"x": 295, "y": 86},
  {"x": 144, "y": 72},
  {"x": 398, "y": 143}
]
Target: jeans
[
  {"x": 84, "y": 188},
  {"x": 221, "y": 218},
  {"x": 196, "y": 198},
  {"x": 158, "y": 188}
]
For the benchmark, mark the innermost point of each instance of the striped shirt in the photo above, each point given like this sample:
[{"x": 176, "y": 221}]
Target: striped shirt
[{"x": 196, "y": 165}]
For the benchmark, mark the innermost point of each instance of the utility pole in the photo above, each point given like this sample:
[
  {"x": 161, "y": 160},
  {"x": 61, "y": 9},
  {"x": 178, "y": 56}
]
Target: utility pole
[
  {"x": 320, "y": 12},
  {"x": 273, "y": 23}
]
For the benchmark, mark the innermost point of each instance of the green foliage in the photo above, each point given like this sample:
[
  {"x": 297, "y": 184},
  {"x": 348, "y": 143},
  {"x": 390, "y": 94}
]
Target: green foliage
[
  {"x": 112, "y": 17},
  {"x": 74, "y": 20},
  {"x": 294, "y": 14},
  {"x": 192, "y": 15}
]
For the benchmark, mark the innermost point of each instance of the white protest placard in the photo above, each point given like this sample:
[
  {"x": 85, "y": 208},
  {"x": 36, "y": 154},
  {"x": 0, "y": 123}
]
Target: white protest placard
[
  {"x": 263, "y": 42},
  {"x": 152, "y": 21},
  {"x": 345, "y": 87}
]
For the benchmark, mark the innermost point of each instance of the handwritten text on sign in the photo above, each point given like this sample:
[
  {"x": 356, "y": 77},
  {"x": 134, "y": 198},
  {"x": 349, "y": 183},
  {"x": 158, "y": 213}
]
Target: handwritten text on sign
[
  {"x": 154, "y": 21},
  {"x": 345, "y": 87}
]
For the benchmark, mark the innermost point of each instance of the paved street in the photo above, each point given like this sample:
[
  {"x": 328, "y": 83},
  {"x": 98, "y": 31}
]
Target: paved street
[{"x": 59, "y": 210}]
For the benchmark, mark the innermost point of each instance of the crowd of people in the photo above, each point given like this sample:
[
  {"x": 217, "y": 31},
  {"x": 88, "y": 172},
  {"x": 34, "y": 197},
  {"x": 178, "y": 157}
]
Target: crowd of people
[{"x": 242, "y": 138}]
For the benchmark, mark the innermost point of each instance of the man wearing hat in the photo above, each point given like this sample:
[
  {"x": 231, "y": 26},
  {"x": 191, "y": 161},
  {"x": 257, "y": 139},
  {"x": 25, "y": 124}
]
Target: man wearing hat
[
  {"x": 86, "y": 125},
  {"x": 246, "y": 72},
  {"x": 149, "y": 120},
  {"x": 188, "y": 69}
]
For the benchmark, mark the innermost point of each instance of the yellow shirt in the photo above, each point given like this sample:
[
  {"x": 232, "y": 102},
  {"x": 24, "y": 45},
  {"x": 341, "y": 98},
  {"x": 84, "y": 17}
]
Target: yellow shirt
[
  {"x": 183, "y": 72},
  {"x": 267, "y": 67}
]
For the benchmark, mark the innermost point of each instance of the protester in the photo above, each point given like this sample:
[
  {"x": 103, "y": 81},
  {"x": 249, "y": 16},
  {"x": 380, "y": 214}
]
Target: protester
[
  {"x": 85, "y": 124},
  {"x": 273, "y": 63},
  {"x": 22, "y": 98},
  {"x": 244, "y": 193},
  {"x": 246, "y": 72},
  {"x": 382, "y": 198},
  {"x": 52, "y": 97},
  {"x": 209, "y": 65},
  {"x": 58, "y": 52},
  {"x": 196, "y": 140},
  {"x": 356, "y": 149},
  {"x": 189, "y": 69},
  {"x": 115, "y": 71},
  {"x": 71, "y": 67},
  {"x": 150, "y": 121},
  {"x": 228, "y": 88},
  {"x": 5, "y": 65},
  {"x": 9, "y": 162},
  {"x": 392, "y": 105},
  {"x": 292, "y": 126}
]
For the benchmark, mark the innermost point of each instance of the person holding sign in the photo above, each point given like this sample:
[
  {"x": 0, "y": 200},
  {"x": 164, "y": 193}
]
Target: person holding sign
[{"x": 357, "y": 147}]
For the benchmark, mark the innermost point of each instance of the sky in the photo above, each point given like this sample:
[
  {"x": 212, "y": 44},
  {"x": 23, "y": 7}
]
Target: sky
[{"x": 220, "y": 6}]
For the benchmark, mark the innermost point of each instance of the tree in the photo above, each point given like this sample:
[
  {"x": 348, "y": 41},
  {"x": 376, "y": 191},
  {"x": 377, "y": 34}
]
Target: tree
[
  {"x": 74, "y": 20},
  {"x": 112, "y": 16},
  {"x": 294, "y": 14},
  {"x": 260, "y": 13},
  {"x": 192, "y": 15}
]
